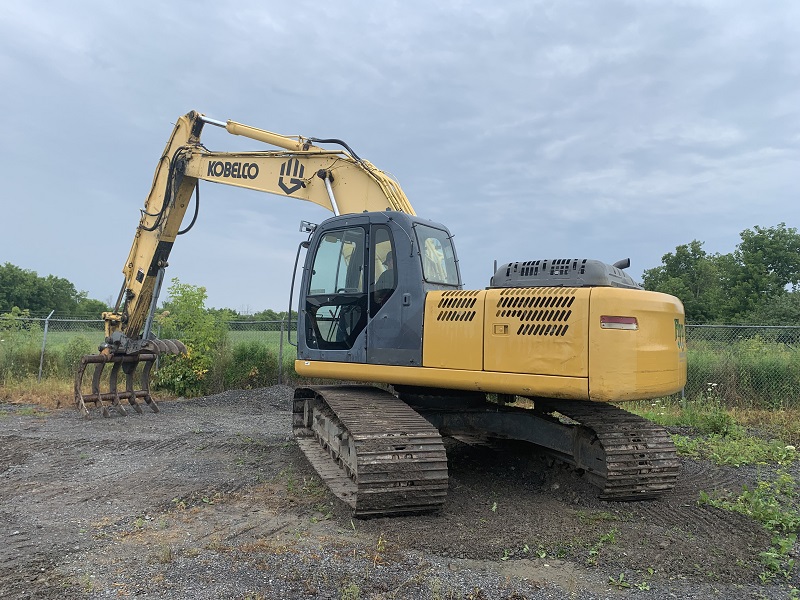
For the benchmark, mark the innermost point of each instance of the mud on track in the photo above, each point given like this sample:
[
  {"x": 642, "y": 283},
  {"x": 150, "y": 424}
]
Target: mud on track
[{"x": 211, "y": 498}]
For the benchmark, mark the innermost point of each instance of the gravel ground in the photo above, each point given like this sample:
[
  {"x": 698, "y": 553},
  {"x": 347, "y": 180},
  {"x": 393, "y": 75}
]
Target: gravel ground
[{"x": 211, "y": 498}]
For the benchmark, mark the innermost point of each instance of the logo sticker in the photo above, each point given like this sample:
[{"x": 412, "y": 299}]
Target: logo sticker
[
  {"x": 680, "y": 335},
  {"x": 291, "y": 178},
  {"x": 234, "y": 170}
]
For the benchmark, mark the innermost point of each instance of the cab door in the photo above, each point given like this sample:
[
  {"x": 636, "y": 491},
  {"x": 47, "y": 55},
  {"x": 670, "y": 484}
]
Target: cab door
[{"x": 336, "y": 304}]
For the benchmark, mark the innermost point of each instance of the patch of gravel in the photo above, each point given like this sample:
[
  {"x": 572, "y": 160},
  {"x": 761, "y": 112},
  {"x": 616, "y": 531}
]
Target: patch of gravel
[{"x": 212, "y": 498}]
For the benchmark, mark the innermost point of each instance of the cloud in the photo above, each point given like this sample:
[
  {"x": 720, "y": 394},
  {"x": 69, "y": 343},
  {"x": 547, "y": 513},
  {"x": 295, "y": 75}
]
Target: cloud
[{"x": 529, "y": 128}]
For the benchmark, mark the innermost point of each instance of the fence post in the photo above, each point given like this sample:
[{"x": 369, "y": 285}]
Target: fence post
[
  {"x": 280, "y": 357},
  {"x": 44, "y": 341}
]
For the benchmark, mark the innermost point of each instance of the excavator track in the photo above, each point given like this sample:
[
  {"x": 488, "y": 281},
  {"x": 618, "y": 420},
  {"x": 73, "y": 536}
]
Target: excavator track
[
  {"x": 626, "y": 456},
  {"x": 373, "y": 451}
]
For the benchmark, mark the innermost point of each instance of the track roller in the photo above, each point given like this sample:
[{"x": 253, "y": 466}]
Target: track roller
[{"x": 372, "y": 450}]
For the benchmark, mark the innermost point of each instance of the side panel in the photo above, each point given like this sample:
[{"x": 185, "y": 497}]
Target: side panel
[
  {"x": 633, "y": 364},
  {"x": 541, "y": 331},
  {"x": 453, "y": 334}
]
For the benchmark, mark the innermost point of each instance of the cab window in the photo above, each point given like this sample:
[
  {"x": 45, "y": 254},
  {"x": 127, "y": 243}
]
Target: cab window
[
  {"x": 437, "y": 254},
  {"x": 384, "y": 273},
  {"x": 338, "y": 265}
]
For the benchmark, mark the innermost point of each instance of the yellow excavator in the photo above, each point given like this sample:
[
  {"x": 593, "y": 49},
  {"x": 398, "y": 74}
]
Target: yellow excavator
[{"x": 541, "y": 355}]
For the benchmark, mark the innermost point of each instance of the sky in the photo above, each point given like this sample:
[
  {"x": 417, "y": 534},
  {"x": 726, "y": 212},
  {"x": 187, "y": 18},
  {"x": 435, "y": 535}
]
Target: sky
[{"x": 553, "y": 129}]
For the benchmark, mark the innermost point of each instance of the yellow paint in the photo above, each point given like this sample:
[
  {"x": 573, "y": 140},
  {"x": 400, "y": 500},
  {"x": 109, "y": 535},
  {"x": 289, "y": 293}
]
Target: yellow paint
[
  {"x": 502, "y": 383},
  {"x": 633, "y": 365},
  {"x": 454, "y": 330},
  {"x": 537, "y": 330},
  {"x": 540, "y": 342}
]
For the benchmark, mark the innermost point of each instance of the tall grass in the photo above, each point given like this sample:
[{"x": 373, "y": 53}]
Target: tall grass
[{"x": 752, "y": 373}]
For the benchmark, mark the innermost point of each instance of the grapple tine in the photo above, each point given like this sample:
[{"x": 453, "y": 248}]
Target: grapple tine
[
  {"x": 128, "y": 369},
  {"x": 181, "y": 346},
  {"x": 98, "y": 373},
  {"x": 79, "y": 402},
  {"x": 112, "y": 384},
  {"x": 172, "y": 348},
  {"x": 148, "y": 365}
]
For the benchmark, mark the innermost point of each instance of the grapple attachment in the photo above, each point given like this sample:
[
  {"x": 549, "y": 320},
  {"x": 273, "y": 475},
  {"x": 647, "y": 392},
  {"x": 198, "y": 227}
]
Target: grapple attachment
[{"x": 128, "y": 363}]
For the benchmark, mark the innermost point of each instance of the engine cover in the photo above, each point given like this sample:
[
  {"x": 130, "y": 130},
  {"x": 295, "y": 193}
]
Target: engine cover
[{"x": 561, "y": 272}]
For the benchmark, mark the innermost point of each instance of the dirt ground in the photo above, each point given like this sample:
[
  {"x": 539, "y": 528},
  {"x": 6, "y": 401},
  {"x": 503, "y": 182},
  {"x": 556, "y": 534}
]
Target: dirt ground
[{"x": 211, "y": 498}]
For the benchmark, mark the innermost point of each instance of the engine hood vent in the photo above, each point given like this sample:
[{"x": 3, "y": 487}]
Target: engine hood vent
[{"x": 561, "y": 272}]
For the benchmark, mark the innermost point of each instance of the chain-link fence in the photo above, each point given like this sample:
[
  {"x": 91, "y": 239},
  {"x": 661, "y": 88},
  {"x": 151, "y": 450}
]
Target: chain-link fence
[
  {"x": 746, "y": 366},
  {"x": 53, "y": 346}
]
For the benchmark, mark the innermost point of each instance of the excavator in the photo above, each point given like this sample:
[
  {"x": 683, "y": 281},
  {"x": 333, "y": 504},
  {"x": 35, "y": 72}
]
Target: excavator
[{"x": 544, "y": 354}]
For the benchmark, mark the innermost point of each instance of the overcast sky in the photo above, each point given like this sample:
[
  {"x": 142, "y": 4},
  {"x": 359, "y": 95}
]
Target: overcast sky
[{"x": 531, "y": 129}]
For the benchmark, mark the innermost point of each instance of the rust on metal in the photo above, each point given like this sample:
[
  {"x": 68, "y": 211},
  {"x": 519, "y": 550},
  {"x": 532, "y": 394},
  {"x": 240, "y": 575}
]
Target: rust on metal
[{"x": 114, "y": 396}]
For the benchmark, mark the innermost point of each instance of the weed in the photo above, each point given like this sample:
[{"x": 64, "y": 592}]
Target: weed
[
  {"x": 88, "y": 583},
  {"x": 325, "y": 510},
  {"x": 619, "y": 582},
  {"x": 436, "y": 588},
  {"x": 380, "y": 548},
  {"x": 594, "y": 549},
  {"x": 735, "y": 449},
  {"x": 771, "y": 504},
  {"x": 350, "y": 592},
  {"x": 31, "y": 411},
  {"x": 596, "y": 516},
  {"x": 165, "y": 554},
  {"x": 776, "y": 559}
]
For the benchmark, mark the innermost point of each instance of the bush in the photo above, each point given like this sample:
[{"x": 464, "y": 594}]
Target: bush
[
  {"x": 252, "y": 365},
  {"x": 204, "y": 335},
  {"x": 20, "y": 346}
]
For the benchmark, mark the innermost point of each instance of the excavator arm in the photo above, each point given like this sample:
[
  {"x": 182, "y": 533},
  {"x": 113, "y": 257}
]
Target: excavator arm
[{"x": 338, "y": 180}]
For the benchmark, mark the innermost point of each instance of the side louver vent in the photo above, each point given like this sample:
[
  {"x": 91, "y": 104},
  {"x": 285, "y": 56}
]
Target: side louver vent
[
  {"x": 457, "y": 305},
  {"x": 539, "y": 311}
]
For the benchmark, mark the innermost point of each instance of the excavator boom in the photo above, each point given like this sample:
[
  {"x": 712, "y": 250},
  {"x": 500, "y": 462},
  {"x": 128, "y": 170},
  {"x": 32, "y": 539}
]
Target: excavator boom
[{"x": 337, "y": 180}]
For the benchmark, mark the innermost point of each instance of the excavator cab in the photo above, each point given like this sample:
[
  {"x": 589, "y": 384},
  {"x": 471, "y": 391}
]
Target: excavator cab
[{"x": 354, "y": 307}]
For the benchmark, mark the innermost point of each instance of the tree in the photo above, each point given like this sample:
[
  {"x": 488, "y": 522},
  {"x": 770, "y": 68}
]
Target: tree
[
  {"x": 39, "y": 295},
  {"x": 780, "y": 310},
  {"x": 692, "y": 275},
  {"x": 736, "y": 287},
  {"x": 765, "y": 264}
]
